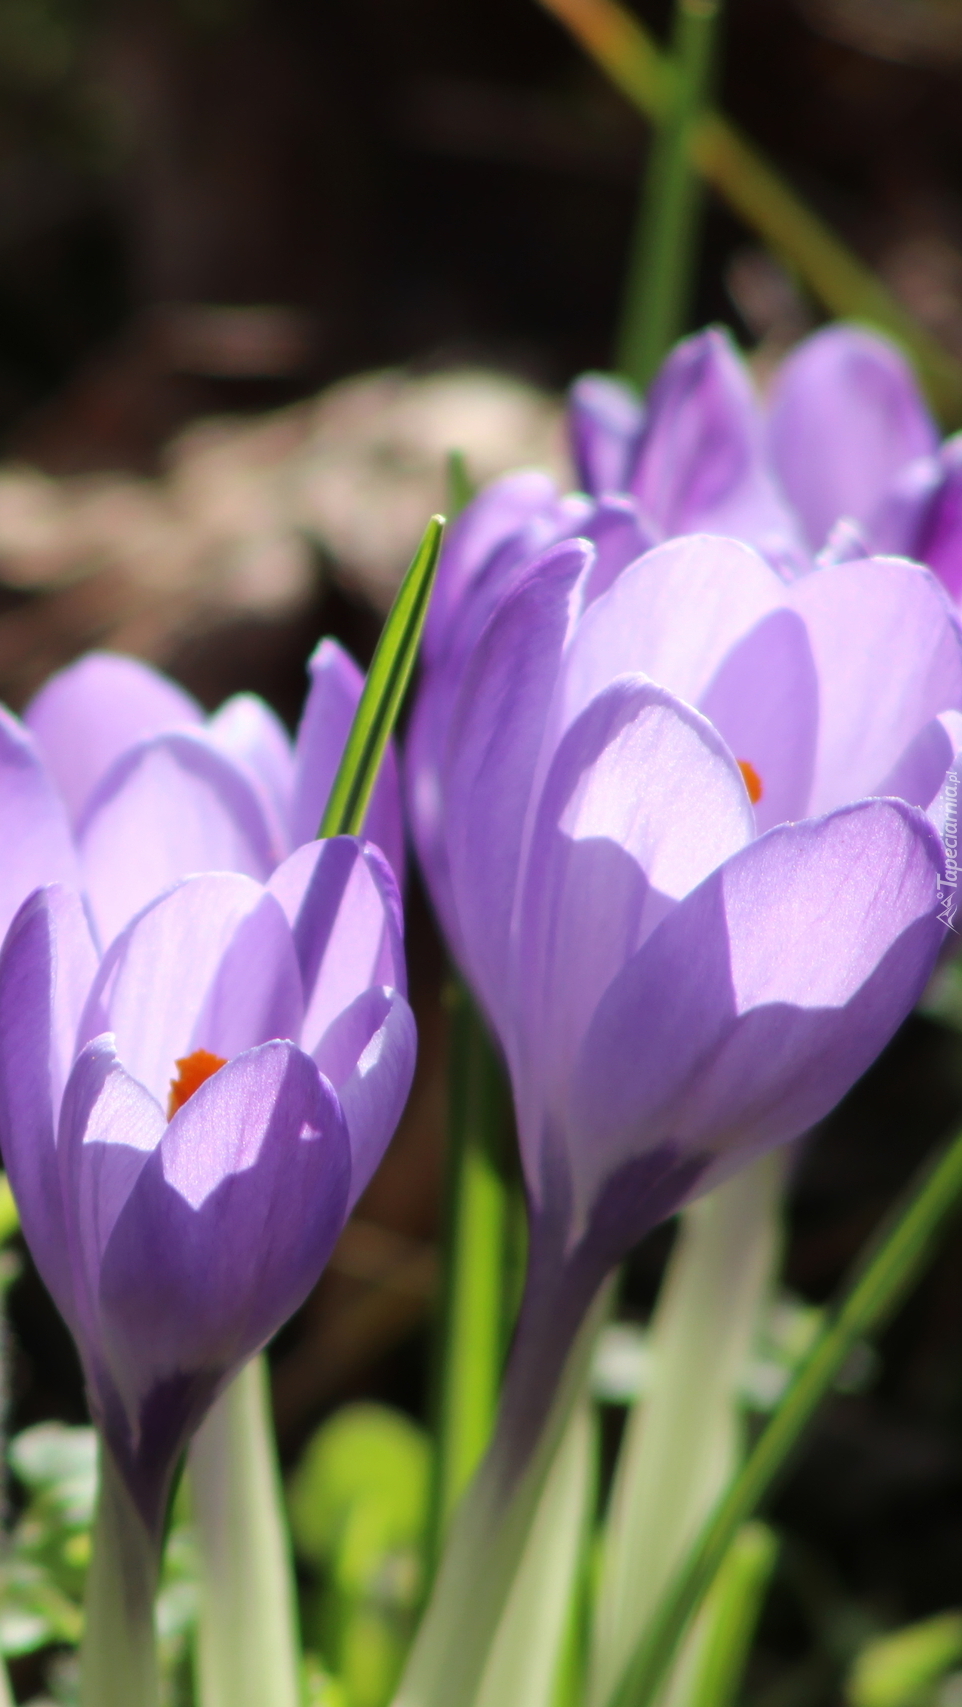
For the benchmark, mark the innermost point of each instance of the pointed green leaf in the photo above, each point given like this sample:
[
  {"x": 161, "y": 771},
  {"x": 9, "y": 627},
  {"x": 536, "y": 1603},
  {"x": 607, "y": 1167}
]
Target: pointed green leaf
[{"x": 387, "y": 680}]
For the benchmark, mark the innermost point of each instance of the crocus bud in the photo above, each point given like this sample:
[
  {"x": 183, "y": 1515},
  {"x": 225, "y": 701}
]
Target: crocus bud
[{"x": 270, "y": 1023}]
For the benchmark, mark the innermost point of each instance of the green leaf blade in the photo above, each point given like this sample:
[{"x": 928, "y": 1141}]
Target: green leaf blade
[{"x": 384, "y": 690}]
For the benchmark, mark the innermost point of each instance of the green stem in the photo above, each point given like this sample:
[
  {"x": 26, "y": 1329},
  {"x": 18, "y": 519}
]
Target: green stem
[
  {"x": 247, "y": 1635},
  {"x": 759, "y": 195},
  {"x": 894, "y": 1261},
  {"x": 682, "y": 1442},
  {"x": 660, "y": 271},
  {"x": 118, "y": 1658},
  {"x": 728, "y": 1619},
  {"x": 471, "y": 1327}
]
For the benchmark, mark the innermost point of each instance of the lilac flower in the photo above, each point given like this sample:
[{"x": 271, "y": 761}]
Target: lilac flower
[
  {"x": 675, "y": 992},
  {"x": 270, "y": 1024},
  {"x": 117, "y": 783}
]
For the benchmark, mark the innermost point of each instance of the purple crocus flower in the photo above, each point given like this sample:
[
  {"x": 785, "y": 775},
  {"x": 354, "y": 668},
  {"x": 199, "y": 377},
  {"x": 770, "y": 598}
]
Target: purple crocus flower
[
  {"x": 117, "y": 783},
  {"x": 843, "y": 461},
  {"x": 269, "y": 1023},
  {"x": 673, "y": 990},
  {"x": 676, "y": 986}
]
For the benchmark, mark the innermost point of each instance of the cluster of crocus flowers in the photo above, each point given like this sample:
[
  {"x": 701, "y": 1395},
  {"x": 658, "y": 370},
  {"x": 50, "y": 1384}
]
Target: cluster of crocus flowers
[
  {"x": 676, "y": 772},
  {"x": 678, "y": 802}
]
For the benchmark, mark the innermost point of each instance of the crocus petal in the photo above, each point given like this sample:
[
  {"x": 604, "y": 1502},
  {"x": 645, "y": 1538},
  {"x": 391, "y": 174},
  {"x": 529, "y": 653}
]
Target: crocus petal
[
  {"x": 424, "y": 758},
  {"x": 919, "y": 773},
  {"x": 494, "y": 752},
  {"x": 368, "y": 1053},
  {"x": 846, "y": 416},
  {"x": 674, "y": 615},
  {"x": 619, "y": 534},
  {"x": 46, "y": 967},
  {"x": 109, "y": 1124},
  {"x": 341, "y": 902},
  {"x": 605, "y": 423},
  {"x": 38, "y": 843},
  {"x": 619, "y": 838},
  {"x": 504, "y": 511},
  {"x": 701, "y": 466},
  {"x": 764, "y": 995},
  {"x": 210, "y": 965},
  {"x": 943, "y": 809},
  {"x": 939, "y": 543},
  {"x": 846, "y": 543},
  {"x": 85, "y": 716},
  {"x": 906, "y": 628},
  {"x": 332, "y": 700},
  {"x": 764, "y": 700},
  {"x": 171, "y": 806},
  {"x": 246, "y": 730},
  {"x": 224, "y": 1233},
  {"x": 900, "y": 522}
]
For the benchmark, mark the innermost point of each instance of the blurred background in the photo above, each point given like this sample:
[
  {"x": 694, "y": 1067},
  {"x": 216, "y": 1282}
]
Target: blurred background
[{"x": 261, "y": 266}]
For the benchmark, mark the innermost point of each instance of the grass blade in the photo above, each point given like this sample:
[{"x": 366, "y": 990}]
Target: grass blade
[{"x": 384, "y": 688}]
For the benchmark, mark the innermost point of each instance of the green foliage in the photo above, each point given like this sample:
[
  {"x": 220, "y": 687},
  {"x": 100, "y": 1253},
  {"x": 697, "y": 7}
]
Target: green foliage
[
  {"x": 358, "y": 1507},
  {"x": 9, "y": 1213},
  {"x": 902, "y": 1668}
]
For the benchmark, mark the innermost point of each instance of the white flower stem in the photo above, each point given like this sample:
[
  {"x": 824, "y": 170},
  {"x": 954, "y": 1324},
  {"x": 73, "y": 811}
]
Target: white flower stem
[
  {"x": 490, "y": 1529},
  {"x": 247, "y": 1636},
  {"x": 522, "y": 1667},
  {"x": 118, "y": 1658},
  {"x": 681, "y": 1442}
]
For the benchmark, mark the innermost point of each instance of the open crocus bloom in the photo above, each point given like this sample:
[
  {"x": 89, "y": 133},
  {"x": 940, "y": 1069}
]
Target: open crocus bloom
[
  {"x": 843, "y": 461},
  {"x": 837, "y": 685},
  {"x": 270, "y": 1023},
  {"x": 115, "y": 782},
  {"x": 673, "y": 991},
  {"x": 843, "y": 458}
]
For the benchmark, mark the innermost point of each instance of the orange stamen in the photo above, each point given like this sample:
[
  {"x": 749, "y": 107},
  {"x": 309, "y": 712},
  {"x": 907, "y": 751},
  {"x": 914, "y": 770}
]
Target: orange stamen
[
  {"x": 192, "y": 1071},
  {"x": 753, "y": 781}
]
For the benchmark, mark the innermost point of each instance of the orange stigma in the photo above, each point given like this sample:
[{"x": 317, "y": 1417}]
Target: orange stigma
[
  {"x": 192, "y": 1070},
  {"x": 753, "y": 781}
]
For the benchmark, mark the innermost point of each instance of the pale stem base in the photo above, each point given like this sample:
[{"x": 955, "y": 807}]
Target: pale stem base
[
  {"x": 681, "y": 1443},
  {"x": 489, "y": 1533},
  {"x": 247, "y": 1633},
  {"x": 523, "y": 1663},
  {"x": 118, "y": 1657}
]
